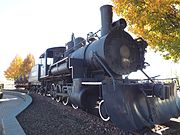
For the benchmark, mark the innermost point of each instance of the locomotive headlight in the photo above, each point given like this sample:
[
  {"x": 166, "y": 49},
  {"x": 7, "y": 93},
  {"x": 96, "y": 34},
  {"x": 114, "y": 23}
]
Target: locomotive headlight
[
  {"x": 125, "y": 54},
  {"x": 124, "y": 51}
]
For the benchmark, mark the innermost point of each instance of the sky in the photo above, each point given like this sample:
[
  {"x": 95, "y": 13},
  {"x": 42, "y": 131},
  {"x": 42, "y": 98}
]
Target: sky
[{"x": 31, "y": 26}]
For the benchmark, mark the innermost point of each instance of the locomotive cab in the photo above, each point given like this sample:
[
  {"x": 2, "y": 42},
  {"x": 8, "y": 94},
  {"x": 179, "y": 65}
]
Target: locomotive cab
[{"x": 49, "y": 57}]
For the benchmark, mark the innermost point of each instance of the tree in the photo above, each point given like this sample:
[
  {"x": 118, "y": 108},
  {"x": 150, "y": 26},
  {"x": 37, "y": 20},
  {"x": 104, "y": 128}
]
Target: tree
[
  {"x": 27, "y": 65},
  {"x": 18, "y": 67},
  {"x": 157, "y": 21},
  {"x": 13, "y": 71}
]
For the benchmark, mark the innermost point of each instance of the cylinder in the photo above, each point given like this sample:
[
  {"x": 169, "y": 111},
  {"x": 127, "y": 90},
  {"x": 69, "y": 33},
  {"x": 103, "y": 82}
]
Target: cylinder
[{"x": 106, "y": 19}]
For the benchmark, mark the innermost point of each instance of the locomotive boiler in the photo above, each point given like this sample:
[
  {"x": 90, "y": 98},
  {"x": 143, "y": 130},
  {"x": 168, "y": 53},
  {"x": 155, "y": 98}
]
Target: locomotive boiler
[{"x": 89, "y": 74}]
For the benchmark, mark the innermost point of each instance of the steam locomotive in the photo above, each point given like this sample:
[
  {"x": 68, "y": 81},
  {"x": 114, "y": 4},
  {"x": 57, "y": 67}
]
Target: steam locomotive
[{"x": 92, "y": 74}]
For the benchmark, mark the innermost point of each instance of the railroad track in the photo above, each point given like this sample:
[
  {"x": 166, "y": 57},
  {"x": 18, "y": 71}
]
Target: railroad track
[{"x": 170, "y": 128}]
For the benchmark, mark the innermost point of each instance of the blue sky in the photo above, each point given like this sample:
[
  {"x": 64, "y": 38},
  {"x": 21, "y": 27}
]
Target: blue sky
[{"x": 31, "y": 26}]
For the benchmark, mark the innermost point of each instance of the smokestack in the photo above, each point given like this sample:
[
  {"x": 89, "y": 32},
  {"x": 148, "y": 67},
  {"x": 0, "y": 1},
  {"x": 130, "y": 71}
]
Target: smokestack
[{"x": 106, "y": 19}]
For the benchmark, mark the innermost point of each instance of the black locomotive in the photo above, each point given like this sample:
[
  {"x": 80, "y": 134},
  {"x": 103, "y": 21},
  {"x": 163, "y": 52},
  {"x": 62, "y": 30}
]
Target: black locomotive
[{"x": 90, "y": 74}]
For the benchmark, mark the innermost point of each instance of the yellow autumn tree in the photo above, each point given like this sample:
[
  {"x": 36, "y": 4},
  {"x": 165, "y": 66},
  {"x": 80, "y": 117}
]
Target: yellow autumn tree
[
  {"x": 27, "y": 65},
  {"x": 13, "y": 71},
  {"x": 157, "y": 21}
]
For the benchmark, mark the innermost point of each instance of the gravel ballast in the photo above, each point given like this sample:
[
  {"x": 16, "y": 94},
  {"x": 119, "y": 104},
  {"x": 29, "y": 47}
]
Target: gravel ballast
[{"x": 47, "y": 117}]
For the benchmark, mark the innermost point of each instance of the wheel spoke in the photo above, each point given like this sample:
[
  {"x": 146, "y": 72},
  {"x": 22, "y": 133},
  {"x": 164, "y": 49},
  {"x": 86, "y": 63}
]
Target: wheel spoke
[{"x": 53, "y": 92}]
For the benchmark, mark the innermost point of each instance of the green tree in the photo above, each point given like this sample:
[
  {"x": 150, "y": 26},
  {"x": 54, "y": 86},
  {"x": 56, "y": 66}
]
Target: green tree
[
  {"x": 13, "y": 71},
  {"x": 157, "y": 21}
]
